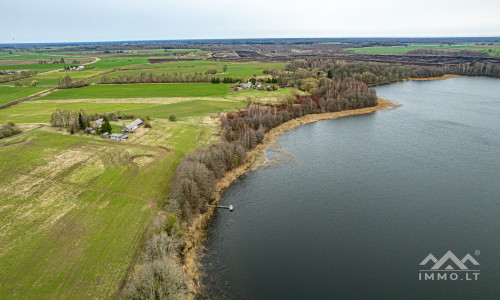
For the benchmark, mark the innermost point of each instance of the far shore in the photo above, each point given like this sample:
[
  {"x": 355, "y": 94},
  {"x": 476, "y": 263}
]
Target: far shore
[
  {"x": 196, "y": 233},
  {"x": 445, "y": 76}
]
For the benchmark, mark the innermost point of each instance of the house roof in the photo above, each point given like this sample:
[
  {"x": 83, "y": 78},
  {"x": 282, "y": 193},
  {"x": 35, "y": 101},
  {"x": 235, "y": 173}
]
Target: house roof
[{"x": 134, "y": 124}]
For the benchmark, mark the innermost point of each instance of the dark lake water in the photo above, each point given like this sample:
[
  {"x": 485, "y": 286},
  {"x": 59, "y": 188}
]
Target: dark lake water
[{"x": 367, "y": 198}]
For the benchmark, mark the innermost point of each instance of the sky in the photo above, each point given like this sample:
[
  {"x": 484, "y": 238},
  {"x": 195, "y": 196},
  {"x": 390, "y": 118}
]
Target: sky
[{"x": 29, "y": 21}]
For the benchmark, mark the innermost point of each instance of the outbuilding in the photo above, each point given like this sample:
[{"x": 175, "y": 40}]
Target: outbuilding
[
  {"x": 118, "y": 136},
  {"x": 131, "y": 127}
]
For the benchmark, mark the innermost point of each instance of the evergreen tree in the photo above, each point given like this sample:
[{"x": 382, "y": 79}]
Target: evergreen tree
[
  {"x": 106, "y": 127},
  {"x": 330, "y": 74},
  {"x": 81, "y": 124}
]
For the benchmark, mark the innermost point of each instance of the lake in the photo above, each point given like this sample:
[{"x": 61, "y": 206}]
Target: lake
[{"x": 365, "y": 199}]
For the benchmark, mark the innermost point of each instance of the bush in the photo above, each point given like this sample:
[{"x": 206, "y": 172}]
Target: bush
[
  {"x": 172, "y": 118},
  {"x": 211, "y": 71},
  {"x": 172, "y": 226},
  {"x": 9, "y": 129},
  {"x": 147, "y": 125},
  {"x": 160, "y": 245},
  {"x": 160, "y": 279}
]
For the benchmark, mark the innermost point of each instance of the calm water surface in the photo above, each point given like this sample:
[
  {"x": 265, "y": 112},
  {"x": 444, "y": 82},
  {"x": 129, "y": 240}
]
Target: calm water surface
[{"x": 366, "y": 198}]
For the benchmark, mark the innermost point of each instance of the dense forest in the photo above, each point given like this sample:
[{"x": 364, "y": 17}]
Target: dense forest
[
  {"x": 306, "y": 74},
  {"x": 472, "y": 53},
  {"x": 474, "y": 69}
]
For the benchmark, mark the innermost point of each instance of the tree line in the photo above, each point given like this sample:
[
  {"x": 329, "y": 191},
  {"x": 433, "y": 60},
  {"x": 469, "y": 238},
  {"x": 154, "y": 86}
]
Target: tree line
[
  {"x": 306, "y": 73},
  {"x": 67, "y": 83},
  {"x": 474, "y": 69},
  {"x": 165, "y": 78},
  {"x": 194, "y": 180},
  {"x": 371, "y": 73},
  {"x": 12, "y": 77},
  {"x": 464, "y": 52}
]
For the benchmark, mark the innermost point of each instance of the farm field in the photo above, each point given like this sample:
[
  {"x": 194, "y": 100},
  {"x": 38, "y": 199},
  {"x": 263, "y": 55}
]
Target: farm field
[
  {"x": 185, "y": 109},
  {"x": 74, "y": 207},
  {"x": 495, "y": 50},
  {"x": 8, "y": 94},
  {"x": 233, "y": 69},
  {"x": 51, "y": 79},
  {"x": 140, "y": 91},
  {"x": 28, "y": 112}
]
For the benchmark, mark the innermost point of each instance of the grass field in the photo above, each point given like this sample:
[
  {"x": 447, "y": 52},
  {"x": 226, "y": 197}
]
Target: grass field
[
  {"x": 188, "y": 67},
  {"x": 114, "y": 62},
  {"x": 140, "y": 91},
  {"x": 51, "y": 79},
  {"x": 410, "y": 47},
  {"x": 28, "y": 112},
  {"x": 36, "y": 67},
  {"x": 185, "y": 109},
  {"x": 8, "y": 94},
  {"x": 74, "y": 208}
]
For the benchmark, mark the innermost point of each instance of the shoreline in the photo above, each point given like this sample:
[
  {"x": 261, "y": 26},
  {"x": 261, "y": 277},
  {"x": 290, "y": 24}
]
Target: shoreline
[
  {"x": 196, "y": 234},
  {"x": 445, "y": 76}
]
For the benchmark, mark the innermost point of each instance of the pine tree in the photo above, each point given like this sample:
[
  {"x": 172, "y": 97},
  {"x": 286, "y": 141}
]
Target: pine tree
[
  {"x": 106, "y": 127},
  {"x": 81, "y": 124},
  {"x": 330, "y": 74}
]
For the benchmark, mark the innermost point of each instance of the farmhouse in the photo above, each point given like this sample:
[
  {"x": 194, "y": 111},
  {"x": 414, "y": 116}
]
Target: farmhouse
[{"x": 132, "y": 126}]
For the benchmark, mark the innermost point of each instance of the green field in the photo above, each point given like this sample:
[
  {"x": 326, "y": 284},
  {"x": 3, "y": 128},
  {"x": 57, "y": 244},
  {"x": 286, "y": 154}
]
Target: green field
[
  {"x": 185, "y": 109},
  {"x": 402, "y": 49},
  {"x": 36, "y": 67},
  {"x": 51, "y": 79},
  {"x": 8, "y": 94},
  {"x": 244, "y": 70},
  {"x": 74, "y": 208},
  {"x": 28, "y": 112},
  {"x": 114, "y": 62},
  {"x": 140, "y": 91}
]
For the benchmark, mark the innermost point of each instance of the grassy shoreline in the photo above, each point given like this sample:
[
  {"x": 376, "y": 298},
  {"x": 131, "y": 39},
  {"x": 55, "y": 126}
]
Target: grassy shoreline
[
  {"x": 196, "y": 234},
  {"x": 445, "y": 76}
]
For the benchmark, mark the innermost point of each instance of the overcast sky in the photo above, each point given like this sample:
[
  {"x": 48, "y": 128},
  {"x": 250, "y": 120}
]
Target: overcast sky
[{"x": 116, "y": 20}]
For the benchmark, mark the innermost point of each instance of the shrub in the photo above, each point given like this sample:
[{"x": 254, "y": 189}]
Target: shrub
[
  {"x": 172, "y": 118},
  {"x": 9, "y": 129},
  {"x": 160, "y": 279},
  {"x": 159, "y": 246},
  {"x": 172, "y": 226}
]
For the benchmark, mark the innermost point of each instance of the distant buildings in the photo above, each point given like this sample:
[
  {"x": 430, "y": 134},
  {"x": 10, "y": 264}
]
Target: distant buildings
[
  {"x": 249, "y": 85},
  {"x": 131, "y": 127},
  {"x": 114, "y": 136},
  {"x": 79, "y": 68}
]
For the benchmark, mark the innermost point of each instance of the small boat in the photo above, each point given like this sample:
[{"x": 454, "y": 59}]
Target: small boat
[{"x": 231, "y": 207}]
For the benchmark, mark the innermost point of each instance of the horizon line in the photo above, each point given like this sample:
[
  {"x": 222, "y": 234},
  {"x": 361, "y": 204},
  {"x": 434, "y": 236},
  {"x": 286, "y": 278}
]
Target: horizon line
[{"x": 257, "y": 38}]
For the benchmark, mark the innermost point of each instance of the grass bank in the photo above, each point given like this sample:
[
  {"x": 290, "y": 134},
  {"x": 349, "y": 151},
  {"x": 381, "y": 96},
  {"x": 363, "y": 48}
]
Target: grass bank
[
  {"x": 445, "y": 76},
  {"x": 196, "y": 233}
]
